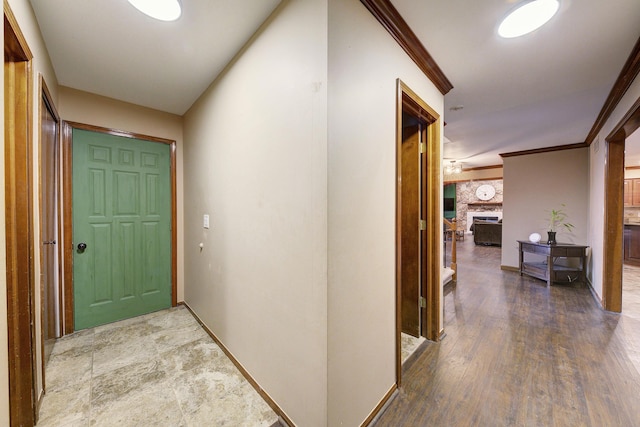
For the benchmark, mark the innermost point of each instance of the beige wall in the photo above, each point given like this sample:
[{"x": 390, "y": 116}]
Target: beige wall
[
  {"x": 536, "y": 183},
  {"x": 41, "y": 65},
  {"x": 257, "y": 156},
  {"x": 87, "y": 108},
  {"x": 255, "y": 146},
  {"x": 364, "y": 63},
  {"x": 596, "y": 203}
]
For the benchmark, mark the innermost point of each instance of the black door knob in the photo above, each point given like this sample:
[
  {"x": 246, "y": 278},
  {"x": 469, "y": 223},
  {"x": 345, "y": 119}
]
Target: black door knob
[{"x": 81, "y": 247}]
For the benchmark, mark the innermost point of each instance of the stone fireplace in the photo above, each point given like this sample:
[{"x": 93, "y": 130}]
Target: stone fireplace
[{"x": 469, "y": 206}]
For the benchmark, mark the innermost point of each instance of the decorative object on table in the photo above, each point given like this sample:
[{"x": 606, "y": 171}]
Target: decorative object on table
[
  {"x": 485, "y": 192},
  {"x": 535, "y": 237},
  {"x": 557, "y": 219}
]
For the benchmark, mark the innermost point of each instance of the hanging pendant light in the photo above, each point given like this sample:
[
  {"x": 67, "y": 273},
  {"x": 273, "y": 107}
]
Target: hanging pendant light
[{"x": 453, "y": 168}]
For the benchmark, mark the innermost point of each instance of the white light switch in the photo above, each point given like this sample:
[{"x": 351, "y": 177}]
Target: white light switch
[{"x": 205, "y": 221}]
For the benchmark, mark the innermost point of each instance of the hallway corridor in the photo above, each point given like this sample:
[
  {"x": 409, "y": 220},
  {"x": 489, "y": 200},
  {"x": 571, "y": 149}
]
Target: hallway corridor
[
  {"x": 161, "y": 369},
  {"x": 517, "y": 353}
]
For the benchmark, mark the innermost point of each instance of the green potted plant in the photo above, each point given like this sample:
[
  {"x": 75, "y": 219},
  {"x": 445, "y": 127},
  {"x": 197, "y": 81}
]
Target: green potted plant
[{"x": 557, "y": 219}]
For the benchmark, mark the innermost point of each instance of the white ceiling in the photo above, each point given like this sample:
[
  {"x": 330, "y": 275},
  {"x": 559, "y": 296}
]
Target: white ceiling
[
  {"x": 541, "y": 90},
  {"x": 109, "y": 48}
]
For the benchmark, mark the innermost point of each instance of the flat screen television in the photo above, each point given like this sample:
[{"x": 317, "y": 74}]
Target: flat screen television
[{"x": 449, "y": 204}]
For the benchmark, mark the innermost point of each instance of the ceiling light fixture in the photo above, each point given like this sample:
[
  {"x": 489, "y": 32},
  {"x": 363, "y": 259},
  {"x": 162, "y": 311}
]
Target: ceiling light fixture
[
  {"x": 163, "y": 10},
  {"x": 528, "y": 17},
  {"x": 453, "y": 167}
]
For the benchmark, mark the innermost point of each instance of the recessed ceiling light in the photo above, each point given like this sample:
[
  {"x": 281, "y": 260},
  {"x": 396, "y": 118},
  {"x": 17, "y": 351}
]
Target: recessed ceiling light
[
  {"x": 527, "y": 18},
  {"x": 163, "y": 10}
]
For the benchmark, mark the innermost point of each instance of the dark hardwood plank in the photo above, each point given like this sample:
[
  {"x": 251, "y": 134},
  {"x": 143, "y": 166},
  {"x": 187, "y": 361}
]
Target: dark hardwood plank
[{"x": 518, "y": 353}]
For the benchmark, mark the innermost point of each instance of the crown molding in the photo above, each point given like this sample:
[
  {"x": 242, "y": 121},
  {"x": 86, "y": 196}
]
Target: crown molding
[
  {"x": 627, "y": 76},
  {"x": 480, "y": 168},
  {"x": 391, "y": 20},
  {"x": 545, "y": 149}
]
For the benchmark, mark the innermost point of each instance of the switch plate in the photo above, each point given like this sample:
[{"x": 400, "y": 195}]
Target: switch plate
[{"x": 205, "y": 221}]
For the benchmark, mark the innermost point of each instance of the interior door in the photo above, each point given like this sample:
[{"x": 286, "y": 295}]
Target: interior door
[
  {"x": 121, "y": 227},
  {"x": 49, "y": 228},
  {"x": 410, "y": 230}
]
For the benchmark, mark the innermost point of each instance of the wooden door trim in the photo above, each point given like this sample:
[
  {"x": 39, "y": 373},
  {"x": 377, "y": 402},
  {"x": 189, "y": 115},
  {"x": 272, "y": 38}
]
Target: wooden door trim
[
  {"x": 432, "y": 284},
  {"x": 66, "y": 135},
  {"x": 409, "y": 101},
  {"x": 19, "y": 223},
  {"x": 67, "y": 148},
  {"x": 614, "y": 208},
  {"x": 46, "y": 98}
]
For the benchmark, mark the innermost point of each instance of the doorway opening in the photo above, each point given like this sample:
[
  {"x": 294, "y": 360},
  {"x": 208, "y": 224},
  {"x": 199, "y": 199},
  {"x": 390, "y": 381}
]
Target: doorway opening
[
  {"x": 614, "y": 209},
  {"x": 49, "y": 241},
  {"x": 127, "y": 205},
  {"x": 418, "y": 219},
  {"x": 631, "y": 232}
]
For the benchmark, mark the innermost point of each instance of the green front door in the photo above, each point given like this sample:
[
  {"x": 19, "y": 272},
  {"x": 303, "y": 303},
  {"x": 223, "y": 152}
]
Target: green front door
[{"x": 121, "y": 227}]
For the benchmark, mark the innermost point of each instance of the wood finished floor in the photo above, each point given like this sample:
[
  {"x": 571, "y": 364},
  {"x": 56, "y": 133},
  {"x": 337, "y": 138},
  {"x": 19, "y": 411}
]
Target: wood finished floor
[{"x": 518, "y": 353}]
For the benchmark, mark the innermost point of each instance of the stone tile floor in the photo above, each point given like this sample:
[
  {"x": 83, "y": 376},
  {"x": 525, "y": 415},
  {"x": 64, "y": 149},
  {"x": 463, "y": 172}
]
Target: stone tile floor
[
  {"x": 161, "y": 369},
  {"x": 409, "y": 345}
]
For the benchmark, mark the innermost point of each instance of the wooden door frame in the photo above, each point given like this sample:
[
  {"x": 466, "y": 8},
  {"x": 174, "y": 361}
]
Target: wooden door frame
[
  {"x": 614, "y": 208},
  {"x": 431, "y": 289},
  {"x": 19, "y": 223},
  {"x": 67, "y": 215},
  {"x": 46, "y": 101}
]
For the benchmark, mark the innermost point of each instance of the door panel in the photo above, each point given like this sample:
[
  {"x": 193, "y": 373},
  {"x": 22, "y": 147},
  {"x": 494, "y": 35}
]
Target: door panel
[
  {"x": 49, "y": 229},
  {"x": 410, "y": 237},
  {"x": 122, "y": 211}
]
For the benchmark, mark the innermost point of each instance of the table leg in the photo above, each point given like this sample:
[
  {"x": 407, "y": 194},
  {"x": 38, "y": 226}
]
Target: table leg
[
  {"x": 521, "y": 259},
  {"x": 549, "y": 270}
]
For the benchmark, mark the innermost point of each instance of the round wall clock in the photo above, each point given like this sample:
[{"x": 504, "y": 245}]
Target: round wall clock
[{"x": 485, "y": 192}]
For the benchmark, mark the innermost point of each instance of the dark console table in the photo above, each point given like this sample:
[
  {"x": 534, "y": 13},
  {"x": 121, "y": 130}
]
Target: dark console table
[{"x": 550, "y": 271}]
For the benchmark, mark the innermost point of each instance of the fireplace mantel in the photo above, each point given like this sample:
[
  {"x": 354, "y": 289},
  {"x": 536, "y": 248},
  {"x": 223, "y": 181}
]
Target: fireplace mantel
[{"x": 484, "y": 204}]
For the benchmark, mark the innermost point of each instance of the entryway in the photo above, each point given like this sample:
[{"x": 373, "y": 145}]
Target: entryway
[
  {"x": 123, "y": 216},
  {"x": 418, "y": 220},
  {"x": 614, "y": 208},
  {"x": 160, "y": 369}
]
